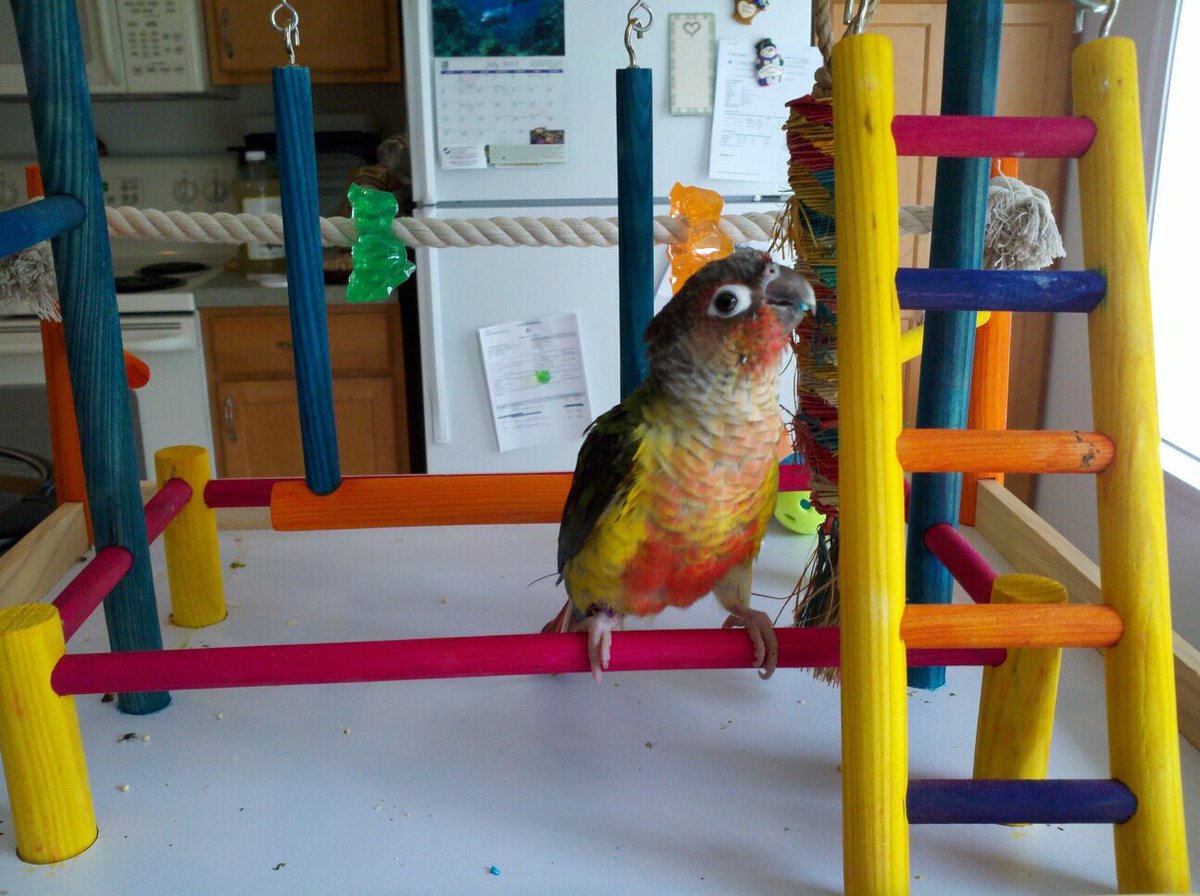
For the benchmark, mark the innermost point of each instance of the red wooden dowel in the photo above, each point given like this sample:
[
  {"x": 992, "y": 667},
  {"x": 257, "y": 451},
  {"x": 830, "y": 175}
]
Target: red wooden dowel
[
  {"x": 165, "y": 506},
  {"x": 240, "y": 492},
  {"x": 964, "y": 562},
  {"x": 969, "y": 136},
  {"x": 89, "y": 588},
  {"x": 424, "y": 658}
]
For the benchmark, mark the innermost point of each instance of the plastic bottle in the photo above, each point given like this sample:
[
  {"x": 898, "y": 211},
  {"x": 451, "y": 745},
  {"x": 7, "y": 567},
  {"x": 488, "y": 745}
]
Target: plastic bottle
[{"x": 256, "y": 189}]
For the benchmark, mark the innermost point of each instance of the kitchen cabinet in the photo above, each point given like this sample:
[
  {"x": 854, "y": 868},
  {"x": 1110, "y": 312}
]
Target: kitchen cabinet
[
  {"x": 1035, "y": 51},
  {"x": 252, "y": 390},
  {"x": 348, "y": 41}
]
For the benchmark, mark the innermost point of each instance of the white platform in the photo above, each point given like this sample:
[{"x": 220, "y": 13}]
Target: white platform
[{"x": 650, "y": 783}]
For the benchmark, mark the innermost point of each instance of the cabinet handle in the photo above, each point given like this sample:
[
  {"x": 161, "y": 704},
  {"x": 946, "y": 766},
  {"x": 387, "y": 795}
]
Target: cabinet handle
[
  {"x": 230, "y": 432},
  {"x": 226, "y": 33}
]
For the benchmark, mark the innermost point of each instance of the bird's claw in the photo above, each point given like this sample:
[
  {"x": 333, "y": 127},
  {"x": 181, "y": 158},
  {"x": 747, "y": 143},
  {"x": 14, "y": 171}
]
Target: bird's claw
[
  {"x": 600, "y": 625},
  {"x": 762, "y": 636}
]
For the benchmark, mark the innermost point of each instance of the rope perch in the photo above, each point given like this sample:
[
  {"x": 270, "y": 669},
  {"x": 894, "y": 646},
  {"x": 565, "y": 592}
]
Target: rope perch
[{"x": 224, "y": 227}]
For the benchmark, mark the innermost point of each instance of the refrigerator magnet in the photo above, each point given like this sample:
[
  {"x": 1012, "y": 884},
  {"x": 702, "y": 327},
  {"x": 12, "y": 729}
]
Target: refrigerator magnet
[{"x": 744, "y": 11}]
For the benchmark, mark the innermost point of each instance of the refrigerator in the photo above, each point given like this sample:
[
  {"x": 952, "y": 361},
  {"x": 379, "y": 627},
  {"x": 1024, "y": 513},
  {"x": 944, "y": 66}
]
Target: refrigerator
[{"x": 462, "y": 290}]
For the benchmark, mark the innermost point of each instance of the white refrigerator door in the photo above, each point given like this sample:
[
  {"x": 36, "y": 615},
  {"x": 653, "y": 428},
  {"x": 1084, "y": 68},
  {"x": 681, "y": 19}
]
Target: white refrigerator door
[
  {"x": 461, "y": 290},
  {"x": 595, "y": 49}
]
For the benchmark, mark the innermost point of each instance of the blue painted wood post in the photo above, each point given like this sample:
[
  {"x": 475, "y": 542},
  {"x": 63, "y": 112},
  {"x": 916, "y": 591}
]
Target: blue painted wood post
[
  {"x": 297, "y": 159},
  {"x": 51, "y": 50},
  {"x": 970, "y": 70},
  {"x": 635, "y": 219}
]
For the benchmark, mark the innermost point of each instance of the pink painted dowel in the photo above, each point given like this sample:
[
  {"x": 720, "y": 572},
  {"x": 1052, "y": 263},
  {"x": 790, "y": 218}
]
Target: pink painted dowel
[
  {"x": 966, "y": 565},
  {"x": 241, "y": 492},
  {"x": 89, "y": 588},
  {"x": 969, "y": 136},
  {"x": 491, "y": 655},
  {"x": 165, "y": 506}
]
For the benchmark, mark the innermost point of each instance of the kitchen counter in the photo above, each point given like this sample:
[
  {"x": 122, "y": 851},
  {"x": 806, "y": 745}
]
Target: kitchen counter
[{"x": 229, "y": 289}]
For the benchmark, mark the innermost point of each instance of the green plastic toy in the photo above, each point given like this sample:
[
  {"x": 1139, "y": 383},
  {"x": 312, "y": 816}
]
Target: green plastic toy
[{"x": 380, "y": 259}]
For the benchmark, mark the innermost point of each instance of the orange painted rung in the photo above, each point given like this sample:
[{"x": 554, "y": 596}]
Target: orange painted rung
[
  {"x": 373, "y": 502},
  {"x": 1003, "y": 451},
  {"x": 1010, "y": 625}
]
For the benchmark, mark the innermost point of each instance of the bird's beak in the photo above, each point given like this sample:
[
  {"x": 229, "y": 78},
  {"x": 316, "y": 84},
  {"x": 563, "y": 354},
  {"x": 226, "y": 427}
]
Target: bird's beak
[{"x": 788, "y": 294}]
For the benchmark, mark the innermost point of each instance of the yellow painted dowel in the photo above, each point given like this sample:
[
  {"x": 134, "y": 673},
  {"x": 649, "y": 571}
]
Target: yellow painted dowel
[
  {"x": 1151, "y": 848},
  {"x": 1016, "y": 701},
  {"x": 44, "y": 765},
  {"x": 913, "y": 341},
  {"x": 193, "y": 556},
  {"x": 874, "y": 721}
]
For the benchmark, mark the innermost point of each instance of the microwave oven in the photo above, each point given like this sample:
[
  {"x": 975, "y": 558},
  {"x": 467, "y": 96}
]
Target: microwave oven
[{"x": 129, "y": 47}]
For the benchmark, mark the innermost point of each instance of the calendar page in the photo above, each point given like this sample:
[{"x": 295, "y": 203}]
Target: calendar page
[
  {"x": 500, "y": 111},
  {"x": 499, "y": 92}
]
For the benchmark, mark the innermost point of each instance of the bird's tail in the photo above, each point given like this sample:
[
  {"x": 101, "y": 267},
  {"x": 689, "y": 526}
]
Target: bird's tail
[{"x": 561, "y": 623}]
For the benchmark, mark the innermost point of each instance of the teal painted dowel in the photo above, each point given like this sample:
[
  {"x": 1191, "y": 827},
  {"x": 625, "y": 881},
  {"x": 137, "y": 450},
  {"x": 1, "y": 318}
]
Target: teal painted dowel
[
  {"x": 27, "y": 225},
  {"x": 52, "y": 54},
  {"x": 297, "y": 159},
  {"x": 635, "y": 220},
  {"x": 970, "y": 72}
]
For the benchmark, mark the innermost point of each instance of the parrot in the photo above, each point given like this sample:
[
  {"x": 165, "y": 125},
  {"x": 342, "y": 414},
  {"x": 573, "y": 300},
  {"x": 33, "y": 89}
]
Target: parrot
[{"x": 674, "y": 487}]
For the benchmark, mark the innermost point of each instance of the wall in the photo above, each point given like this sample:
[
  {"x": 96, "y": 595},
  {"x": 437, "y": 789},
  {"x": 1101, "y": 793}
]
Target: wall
[
  {"x": 1068, "y": 502},
  {"x": 200, "y": 125}
]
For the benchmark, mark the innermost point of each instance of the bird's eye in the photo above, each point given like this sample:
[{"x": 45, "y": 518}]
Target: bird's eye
[{"x": 729, "y": 300}]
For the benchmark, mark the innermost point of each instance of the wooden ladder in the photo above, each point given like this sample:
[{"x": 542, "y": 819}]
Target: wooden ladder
[{"x": 1143, "y": 798}]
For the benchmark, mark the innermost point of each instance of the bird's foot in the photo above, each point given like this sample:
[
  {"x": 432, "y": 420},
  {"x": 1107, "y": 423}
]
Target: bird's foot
[
  {"x": 599, "y": 625},
  {"x": 762, "y": 635}
]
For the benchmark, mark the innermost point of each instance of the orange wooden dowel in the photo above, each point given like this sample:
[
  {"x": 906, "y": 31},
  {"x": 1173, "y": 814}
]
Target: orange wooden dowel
[
  {"x": 1010, "y": 625},
  {"x": 1011, "y": 451},
  {"x": 69, "y": 484},
  {"x": 373, "y": 502},
  {"x": 988, "y": 408}
]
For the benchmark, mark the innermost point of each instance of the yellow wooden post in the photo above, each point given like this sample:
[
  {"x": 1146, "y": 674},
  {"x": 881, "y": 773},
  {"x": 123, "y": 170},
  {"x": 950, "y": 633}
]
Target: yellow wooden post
[
  {"x": 193, "y": 556},
  {"x": 1151, "y": 849},
  {"x": 40, "y": 742},
  {"x": 1016, "y": 702},
  {"x": 874, "y": 722}
]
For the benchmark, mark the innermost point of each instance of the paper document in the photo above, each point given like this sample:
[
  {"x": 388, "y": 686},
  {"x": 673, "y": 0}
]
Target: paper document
[
  {"x": 748, "y": 141},
  {"x": 535, "y": 380}
]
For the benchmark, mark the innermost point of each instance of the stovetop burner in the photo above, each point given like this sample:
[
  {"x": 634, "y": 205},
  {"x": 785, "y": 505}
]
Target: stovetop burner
[
  {"x": 141, "y": 282},
  {"x": 168, "y": 268}
]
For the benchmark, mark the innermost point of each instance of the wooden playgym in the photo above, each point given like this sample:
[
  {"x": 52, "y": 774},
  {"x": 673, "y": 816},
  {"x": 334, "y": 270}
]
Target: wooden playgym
[{"x": 1016, "y": 628}]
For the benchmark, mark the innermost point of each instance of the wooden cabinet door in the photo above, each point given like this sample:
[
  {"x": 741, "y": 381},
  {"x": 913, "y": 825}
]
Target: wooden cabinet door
[
  {"x": 346, "y": 41},
  {"x": 259, "y": 427}
]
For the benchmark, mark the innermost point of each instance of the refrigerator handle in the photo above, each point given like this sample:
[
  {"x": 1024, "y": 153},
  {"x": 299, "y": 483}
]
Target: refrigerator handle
[{"x": 428, "y": 292}]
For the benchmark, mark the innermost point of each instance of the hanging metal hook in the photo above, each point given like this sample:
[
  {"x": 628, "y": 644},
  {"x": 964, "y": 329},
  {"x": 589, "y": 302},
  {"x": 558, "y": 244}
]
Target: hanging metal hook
[
  {"x": 289, "y": 27},
  {"x": 857, "y": 15},
  {"x": 1109, "y": 9},
  {"x": 636, "y": 26}
]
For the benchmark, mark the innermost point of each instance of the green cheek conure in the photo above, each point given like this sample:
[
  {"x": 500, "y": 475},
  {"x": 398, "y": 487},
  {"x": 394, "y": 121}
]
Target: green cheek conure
[{"x": 674, "y": 487}]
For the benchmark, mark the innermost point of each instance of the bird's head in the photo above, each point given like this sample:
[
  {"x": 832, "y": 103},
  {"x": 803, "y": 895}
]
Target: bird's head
[{"x": 733, "y": 317}]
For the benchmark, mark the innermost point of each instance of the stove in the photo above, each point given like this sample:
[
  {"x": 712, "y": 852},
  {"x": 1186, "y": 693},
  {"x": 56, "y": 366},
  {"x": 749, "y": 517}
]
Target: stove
[{"x": 156, "y": 284}]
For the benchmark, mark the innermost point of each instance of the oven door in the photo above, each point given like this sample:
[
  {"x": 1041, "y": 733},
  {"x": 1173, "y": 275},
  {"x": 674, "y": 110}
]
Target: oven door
[{"x": 171, "y": 409}]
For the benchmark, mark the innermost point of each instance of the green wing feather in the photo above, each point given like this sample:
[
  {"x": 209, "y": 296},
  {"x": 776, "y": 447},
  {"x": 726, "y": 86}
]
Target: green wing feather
[{"x": 603, "y": 474}]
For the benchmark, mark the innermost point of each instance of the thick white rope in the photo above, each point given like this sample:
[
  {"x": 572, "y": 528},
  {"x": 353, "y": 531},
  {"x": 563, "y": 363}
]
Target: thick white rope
[{"x": 444, "y": 233}]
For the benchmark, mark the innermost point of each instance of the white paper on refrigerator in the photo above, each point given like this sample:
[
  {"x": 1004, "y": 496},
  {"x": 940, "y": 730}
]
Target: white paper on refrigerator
[
  {"x": 748, "y": 141},
  {"x": 534, "y": 371}
]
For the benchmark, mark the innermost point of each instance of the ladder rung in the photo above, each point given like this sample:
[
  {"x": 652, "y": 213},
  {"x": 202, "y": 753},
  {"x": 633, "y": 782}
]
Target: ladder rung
[
  {"x": 29, "y": 224},
  {"x": 1009, "y": 801},
  {"x": 980, "y": 136},
  {"x": 947, "y": 289},
  {"x": 1010, "y": 625},
  {"x": 1003, "y": 451}
]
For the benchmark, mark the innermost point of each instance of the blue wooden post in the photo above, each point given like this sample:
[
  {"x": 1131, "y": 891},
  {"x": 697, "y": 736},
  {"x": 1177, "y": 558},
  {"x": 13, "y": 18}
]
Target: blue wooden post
[
  {"x": 635, "y": 219},
  {"x": 51, "y": 50},
  {"x": 306, "y": 280},
  {"x": 970, "y": 70}
]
